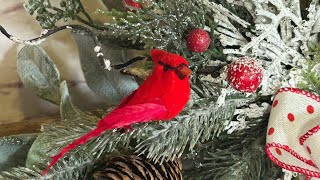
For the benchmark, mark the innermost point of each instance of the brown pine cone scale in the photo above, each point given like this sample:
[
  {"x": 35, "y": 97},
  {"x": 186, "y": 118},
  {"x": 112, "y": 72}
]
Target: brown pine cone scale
[{"x": 139, "y": 168}]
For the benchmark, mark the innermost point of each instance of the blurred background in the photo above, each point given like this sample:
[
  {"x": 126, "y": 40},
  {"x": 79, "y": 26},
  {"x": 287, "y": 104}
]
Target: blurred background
[{"x": 18, "y": 103}]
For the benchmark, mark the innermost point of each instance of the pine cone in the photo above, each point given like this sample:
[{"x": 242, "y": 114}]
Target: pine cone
[{"x": 139, "y": 168}]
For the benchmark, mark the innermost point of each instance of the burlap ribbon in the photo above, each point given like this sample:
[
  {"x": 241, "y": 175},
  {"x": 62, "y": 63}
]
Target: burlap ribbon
[{"x": 293, "y": 134}]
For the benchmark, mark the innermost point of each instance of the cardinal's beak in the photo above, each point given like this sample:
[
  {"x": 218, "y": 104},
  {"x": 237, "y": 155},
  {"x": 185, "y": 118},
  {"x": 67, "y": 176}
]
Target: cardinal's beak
[{"x": 185, "y": 71}]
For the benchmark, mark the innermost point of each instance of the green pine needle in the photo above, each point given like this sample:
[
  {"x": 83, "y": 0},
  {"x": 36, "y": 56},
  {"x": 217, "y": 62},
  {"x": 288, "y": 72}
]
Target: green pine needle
[{"x": 311, "y": 74}]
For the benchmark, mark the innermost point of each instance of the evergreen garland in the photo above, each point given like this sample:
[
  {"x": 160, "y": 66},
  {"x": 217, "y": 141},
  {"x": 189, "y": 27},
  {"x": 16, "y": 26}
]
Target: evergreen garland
[{"x": 198, "y": 135}]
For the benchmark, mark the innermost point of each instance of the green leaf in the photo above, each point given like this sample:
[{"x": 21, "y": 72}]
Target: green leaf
[
  {"x": 56, "y": 136},
  {"x": 14, "y": 150},
  {"x": 38, "y": 152},
  {"x": 112, "y": 85},
  {"x": 38, "y": 72},
  {"x": 113, "y": 4},
  {"x": 40, "y": 149},
  {"x": 67, "y": 109}
]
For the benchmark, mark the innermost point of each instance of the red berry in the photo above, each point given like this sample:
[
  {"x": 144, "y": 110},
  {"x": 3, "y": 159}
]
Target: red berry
[
  {"x": 244, "y": 75},
  {"x": 198, "y": 40},
  {"x": 131, "y": 3}
]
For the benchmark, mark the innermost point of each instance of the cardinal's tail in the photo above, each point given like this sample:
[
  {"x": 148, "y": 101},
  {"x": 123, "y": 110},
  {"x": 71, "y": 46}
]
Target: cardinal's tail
[
  {"x": 83, "y": 139},
  {"x": 118, "y": 118}
]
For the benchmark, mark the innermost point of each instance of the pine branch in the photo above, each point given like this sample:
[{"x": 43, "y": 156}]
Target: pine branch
[
  {"x": 160, "y": 141},
  {"x": 48, "y": 15},
  {"x": 191, "y": 127},
  {"x": 238, "y": 156},
  {"x": 196, "y": 124},
  {"x": 311, "y": 74},
  {"x": 75, "y": 166},
  {"x": 20, "y": 173},
  {"x": 165, "y": 25}
]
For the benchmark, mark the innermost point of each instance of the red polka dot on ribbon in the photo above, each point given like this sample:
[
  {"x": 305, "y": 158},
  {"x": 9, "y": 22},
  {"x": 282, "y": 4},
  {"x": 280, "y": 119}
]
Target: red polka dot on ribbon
[{"x": 293, "y": 133}]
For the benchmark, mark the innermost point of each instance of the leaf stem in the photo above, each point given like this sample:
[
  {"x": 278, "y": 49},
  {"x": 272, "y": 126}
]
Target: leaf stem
[
  {"x": 42, "y": 37},
  {"x": 86, "y": 14}
]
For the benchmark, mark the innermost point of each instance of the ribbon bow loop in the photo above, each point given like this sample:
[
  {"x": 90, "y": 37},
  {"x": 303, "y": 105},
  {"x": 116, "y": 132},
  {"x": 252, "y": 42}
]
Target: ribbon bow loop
[{"x": 293, "y": 136}]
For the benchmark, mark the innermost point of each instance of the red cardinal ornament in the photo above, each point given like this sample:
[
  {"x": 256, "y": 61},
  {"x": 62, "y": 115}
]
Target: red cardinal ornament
[
  {"x": 160, "y": 97},
  {"x": 244, "y": 75},
  {"x": 131, "y": 3},
  {"x": 198, "y": 40}
]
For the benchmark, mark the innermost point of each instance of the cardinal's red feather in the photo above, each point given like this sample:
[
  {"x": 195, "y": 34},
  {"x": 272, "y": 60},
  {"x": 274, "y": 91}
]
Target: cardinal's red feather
[{"x": 161, "y": 97}]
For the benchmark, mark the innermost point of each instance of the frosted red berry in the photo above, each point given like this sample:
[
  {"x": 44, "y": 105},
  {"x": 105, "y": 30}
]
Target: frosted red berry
[
  {"x": 245, "y": 75},
  {"x": 198, "y": 40},
  {"x": 131, "y": 3}
]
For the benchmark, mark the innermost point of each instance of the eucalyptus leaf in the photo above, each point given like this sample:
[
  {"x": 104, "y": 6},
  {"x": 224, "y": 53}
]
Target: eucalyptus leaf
[
  {"x": 14, "y": 150},
  {"x": 38, "y": 152},
  {"x": 67, "y": 109},
  {"x": 112, "y": 85},
  {"x": 38, "y": 72},
  {"x": 113, "y": 4},
  {"x": 40, "y": 149}
]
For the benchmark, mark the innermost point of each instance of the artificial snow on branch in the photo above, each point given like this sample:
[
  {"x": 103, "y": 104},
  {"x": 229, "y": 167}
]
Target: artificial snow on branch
[
  {"x": 193, "y": 126},
  {"x": 280, "y": 36}
]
